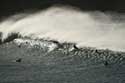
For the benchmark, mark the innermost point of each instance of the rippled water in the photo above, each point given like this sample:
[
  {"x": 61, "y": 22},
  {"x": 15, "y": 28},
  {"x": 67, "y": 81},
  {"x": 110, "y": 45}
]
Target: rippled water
[{"x": 59, "y": 66}]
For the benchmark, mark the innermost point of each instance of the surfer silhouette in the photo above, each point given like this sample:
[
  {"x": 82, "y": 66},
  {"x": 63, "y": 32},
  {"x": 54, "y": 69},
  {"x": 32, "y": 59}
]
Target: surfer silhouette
[
  {"x": 106, "y": 63},
  {"x": 19, "y": 60}
]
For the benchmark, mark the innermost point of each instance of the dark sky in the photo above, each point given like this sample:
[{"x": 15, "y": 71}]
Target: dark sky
[{"x": 9, "y": 7}]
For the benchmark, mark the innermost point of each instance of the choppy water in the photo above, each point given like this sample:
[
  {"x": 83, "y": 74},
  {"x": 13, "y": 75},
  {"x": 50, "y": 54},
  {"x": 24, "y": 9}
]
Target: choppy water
[{"x": 60, "y": 65}]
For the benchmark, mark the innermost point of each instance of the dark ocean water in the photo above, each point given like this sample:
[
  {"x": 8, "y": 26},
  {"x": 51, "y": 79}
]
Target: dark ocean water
[
  {"x": 22, "y": 73},
  {"x": 59, "y": 66}
]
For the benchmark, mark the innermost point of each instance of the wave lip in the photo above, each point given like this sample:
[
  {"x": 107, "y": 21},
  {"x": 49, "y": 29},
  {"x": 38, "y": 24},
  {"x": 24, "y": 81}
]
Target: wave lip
[{"x": 36, "y": 43}]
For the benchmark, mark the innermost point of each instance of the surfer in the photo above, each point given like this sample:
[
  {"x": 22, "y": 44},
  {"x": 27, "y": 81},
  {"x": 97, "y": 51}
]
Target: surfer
[{"x": 19, "y": 60}]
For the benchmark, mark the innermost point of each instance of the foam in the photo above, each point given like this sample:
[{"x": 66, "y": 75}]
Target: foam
[{"x": 95, "y": 29}]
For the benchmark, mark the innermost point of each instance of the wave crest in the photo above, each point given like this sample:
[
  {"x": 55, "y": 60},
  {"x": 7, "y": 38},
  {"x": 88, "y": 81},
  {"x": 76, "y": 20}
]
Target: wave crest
[{"x": 95, "y": 29}]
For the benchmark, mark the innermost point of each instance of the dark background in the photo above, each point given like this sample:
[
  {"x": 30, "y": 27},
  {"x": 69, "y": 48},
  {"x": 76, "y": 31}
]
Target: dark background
[{"x": 9, "y": 7}]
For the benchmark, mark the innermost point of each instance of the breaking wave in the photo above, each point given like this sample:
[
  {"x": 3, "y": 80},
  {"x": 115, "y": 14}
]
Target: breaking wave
[{"x": 67, "y": 24}]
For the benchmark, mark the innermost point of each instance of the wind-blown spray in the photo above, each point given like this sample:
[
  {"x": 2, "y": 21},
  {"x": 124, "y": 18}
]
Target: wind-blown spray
[{"x": 94, "y": 29}]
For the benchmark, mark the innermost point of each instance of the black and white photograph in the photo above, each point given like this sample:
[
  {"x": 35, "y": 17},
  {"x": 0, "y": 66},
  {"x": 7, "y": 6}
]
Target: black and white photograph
[{"x": 62, "y": 41}]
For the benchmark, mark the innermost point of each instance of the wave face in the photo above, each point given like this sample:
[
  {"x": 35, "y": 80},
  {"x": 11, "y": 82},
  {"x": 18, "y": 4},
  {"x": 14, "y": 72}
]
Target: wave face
[
  {"x": 22, "y": 60},
  {"x": 46, "y": 52},
  {"x": 94, "y": 29}
]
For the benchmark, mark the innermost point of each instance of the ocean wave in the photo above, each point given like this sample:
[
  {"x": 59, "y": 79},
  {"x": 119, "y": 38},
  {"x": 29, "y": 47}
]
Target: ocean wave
[{"x": 67, "y": 24}]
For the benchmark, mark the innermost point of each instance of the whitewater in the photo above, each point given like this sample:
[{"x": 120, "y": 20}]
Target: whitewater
[{"x": 67, "y": 24}]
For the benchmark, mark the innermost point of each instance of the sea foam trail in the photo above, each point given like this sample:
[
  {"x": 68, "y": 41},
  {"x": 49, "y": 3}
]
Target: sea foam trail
[{"x": 95, "y": 29}]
